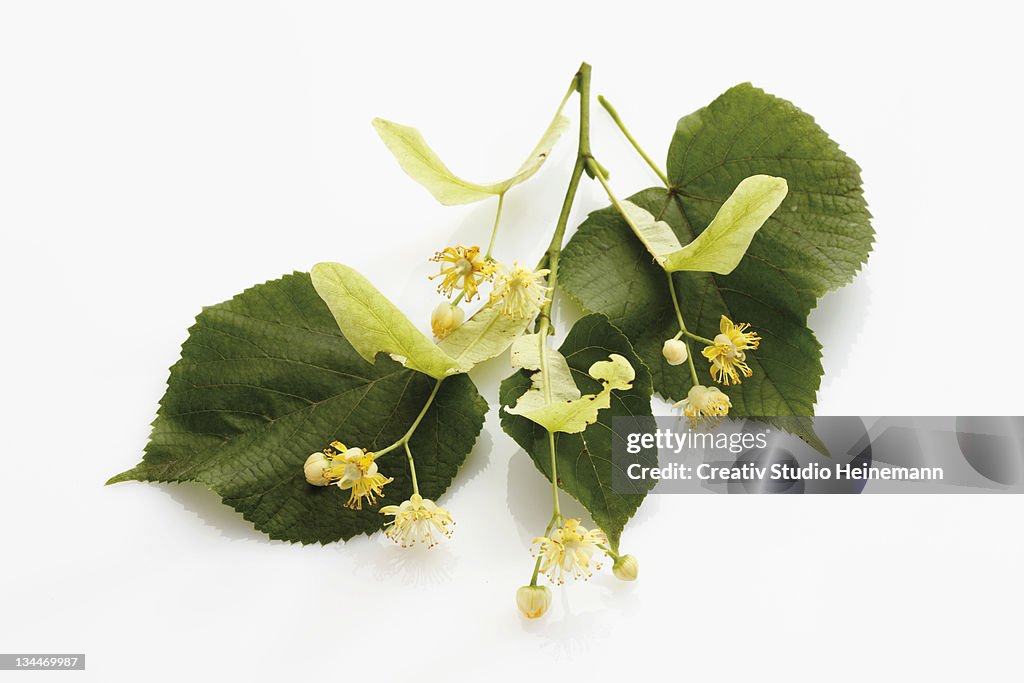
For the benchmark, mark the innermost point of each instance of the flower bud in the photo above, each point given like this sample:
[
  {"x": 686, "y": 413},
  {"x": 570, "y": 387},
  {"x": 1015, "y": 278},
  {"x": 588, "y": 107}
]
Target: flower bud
[
  {"x": 533, "y": 601},
  {"x": 316, "y": 468},
  {"x": 445, "y": 318},
  {"x": 674, "y": 351},
  {"x": 626, "y": 568}
]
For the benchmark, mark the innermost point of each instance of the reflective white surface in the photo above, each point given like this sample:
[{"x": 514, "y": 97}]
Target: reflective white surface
[{"x": 155, "y": 159}]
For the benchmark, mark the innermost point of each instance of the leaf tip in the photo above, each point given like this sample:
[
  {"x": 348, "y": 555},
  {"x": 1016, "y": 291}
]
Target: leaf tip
[{"x": 127, "y": 475}]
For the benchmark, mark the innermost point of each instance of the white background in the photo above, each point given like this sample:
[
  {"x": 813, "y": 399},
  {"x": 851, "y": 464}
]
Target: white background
[{"x": 158, "y": 157}]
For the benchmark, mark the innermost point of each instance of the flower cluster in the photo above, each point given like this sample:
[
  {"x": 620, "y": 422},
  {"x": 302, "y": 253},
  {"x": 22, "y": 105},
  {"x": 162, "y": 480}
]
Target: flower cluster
[
  {"x": 416, "y": 520},
  {"x": 727, "y": 355},
  {"x": 568, "y": 552},
  {"x": 517, "y": 292}
]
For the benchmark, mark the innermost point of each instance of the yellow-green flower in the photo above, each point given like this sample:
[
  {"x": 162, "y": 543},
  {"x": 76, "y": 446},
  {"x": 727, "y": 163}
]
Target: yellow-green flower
[
  {"x": 445, "y": 319},
  {"x": 417, "y": 520},
  {"x": 533, "y": 601},
  {"x": 569, "y": 550},
  {"x": 703, "y": 402},
  {"x": 519, "y": 292},
  {"x": 462, "y": 268},
  {"x": 674, "y": 351},
  {"x": 354, "y": 470},
  {"x": 626, "y": 568},
  {"x": 728, "y": 354},
  {"x": 315, "y": 469}
]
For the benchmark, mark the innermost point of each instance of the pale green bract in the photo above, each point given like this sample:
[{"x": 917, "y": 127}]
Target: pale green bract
[
  {"x": 482, "y": 337},
  {"x": 615, "y": 373},
  {"x": 423, "y": 165},
  {"x": 721, "y": 246},
  {"x": 373, "y": 324},
  {"x": 526, "y": 354},
  {"x": 655, "y": 235},
  {"x": 724, "y": 242},
  {"x": 570, "y": 412}
]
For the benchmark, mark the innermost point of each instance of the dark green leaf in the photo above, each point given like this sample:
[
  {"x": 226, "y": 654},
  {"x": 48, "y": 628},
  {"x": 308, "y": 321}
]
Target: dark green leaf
[
  {"x": 584, "y": 460},
  {"x": 266, "y": 379},
  {"x": 821, "y": 235},
  {"x": 815, "y": 241}
]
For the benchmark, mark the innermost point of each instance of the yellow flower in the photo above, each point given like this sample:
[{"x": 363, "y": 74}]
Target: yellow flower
[
  {"x": 568, "y": 551},
  {"x": 703, "y": 402},
  {"x": 354, "y": 470},
  {"x": 445, "y": 319},
  {"x": 519, "y": 291},
  {"x": 462, "y": 268},
  {"x": 728, "y": 353},
  {"x": 417, "y": 520}
]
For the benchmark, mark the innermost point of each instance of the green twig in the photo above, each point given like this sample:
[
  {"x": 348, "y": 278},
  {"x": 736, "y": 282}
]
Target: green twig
[{"x": 550, "y": 260}]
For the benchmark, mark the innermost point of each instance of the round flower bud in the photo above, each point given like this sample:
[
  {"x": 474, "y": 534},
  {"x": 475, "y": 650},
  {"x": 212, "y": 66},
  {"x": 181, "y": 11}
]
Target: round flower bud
[
  {"x": 316, "y": 468},
  {"x": 533, "y": 601},
  {"x": 626, "y": 568},
  {"x": 674, "y": 351},
  {"x": 445, "y": 318}
]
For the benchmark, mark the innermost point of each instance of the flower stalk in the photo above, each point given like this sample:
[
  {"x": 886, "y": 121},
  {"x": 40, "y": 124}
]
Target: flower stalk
[
  {"x": 581, "y": 85},
  {"x": 404, "y": 440}
]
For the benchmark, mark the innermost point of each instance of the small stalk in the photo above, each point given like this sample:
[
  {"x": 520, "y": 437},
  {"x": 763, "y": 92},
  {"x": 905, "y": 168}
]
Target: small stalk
[
  {"x": 412, "y": 469},
  {"x": 404, "y": 440},
  {"x": 636, "y": 145},
  {"x": 683, "y": 332},
  {"x": 494, "y": 230},
  {"x": 682, "y": 328}
]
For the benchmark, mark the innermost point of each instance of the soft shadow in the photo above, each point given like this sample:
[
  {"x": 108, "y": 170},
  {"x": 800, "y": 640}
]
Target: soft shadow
[
  {"x": 211, "y": 510},
  {"x": 380, "y": 558},
  {"x": 487, "y": 376},
  {"x": 838, "y": 321},
  {"x": 475, "y": 463},
  {"x": 559, "y": 631}
]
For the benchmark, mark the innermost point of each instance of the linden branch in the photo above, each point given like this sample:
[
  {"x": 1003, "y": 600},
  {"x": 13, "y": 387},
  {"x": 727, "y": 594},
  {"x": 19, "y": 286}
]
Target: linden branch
[{"x": 581, "y": 85}]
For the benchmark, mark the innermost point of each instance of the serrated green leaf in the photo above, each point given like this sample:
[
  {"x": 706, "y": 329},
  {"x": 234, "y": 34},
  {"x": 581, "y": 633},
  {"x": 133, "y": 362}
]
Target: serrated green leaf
[
  {"x": 267, "y": 378},
  {"x": 373, "y": 324},
  {"x": 815, "y": 241},
  {"x": 787, "y": 365},
  {"x": 482, "y": 337},
  {"x": 585, "y": 465},
  {"x": 423, "y": 165},
  {"x": 821, "y": 234}
]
